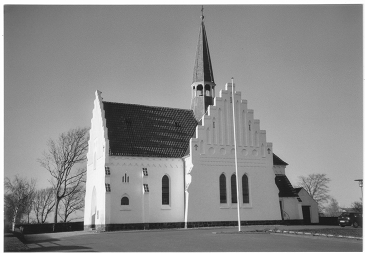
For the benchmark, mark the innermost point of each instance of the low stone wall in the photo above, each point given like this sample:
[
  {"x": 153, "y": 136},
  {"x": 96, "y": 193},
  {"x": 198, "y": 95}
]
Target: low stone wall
[
  {"x": 328, "y": 221},
  {"x": 48, "y": 227},
  {"x": 146, "y": 226}
]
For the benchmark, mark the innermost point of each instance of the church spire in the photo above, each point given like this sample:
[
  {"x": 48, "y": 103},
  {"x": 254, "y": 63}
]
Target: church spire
[
  {"x": 203, "y": 81},
  {"x": 203, "y": 70}
]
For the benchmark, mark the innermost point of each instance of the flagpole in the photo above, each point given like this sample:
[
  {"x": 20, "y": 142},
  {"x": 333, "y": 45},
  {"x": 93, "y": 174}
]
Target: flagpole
[{"x": 235, "y": 158}]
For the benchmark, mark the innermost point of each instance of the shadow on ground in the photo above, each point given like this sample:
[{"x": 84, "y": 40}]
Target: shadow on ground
[{"x": 61, "y": 248}]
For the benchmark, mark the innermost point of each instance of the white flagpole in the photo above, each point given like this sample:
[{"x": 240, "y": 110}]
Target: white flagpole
[{"x": 235, "y": 159}]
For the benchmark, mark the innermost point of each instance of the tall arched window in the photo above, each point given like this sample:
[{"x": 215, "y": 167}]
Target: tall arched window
[
  {"x": 233, "y": 189},
  {"x": 222, "y": 189},
  {"x": 245, "y": 191},
  {"x": 165, "y": 190},
  {"x": 124, "y": 201}
]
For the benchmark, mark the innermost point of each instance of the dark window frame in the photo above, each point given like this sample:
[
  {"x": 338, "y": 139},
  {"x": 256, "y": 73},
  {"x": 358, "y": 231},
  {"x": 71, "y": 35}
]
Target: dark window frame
[
  {"x": 233, "y": 189},
  {"x": 245, "y": 190},
  {"x": 222, "y": 189},
  {"x": 165, "y": 190}
]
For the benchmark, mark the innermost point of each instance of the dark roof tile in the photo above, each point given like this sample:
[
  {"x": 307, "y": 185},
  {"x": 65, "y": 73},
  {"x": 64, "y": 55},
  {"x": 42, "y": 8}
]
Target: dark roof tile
[
  {"x": 277, "y": 160},
  {"x": 284, "y": 186},
  {"x": 149, "y": 131}
]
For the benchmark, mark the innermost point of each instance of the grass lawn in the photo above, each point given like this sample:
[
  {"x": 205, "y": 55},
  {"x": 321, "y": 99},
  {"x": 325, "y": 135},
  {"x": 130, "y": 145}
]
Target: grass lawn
[
  {"x": 356, "y": 232},
  {"x": 13, "y": 244}
]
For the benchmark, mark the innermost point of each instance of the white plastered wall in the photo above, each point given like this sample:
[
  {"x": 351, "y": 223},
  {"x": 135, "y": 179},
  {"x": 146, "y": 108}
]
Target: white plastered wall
[
  {"x": 145, "y": 207},
  {"x": 212, "y": 153},
  {"x": 292, "y": 209},
  {"x": 96, "y": 158},
  {"x": 307, "y": 200}
]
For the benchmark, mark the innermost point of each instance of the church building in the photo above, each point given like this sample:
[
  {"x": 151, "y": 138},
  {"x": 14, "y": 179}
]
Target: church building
[{"x": 154, "y": 167}]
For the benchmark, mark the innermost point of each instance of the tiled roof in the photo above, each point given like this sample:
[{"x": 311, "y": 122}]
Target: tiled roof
[
  {"x": 277, "y": 160},
  {"x": 297, "y": 190},
  {"x": 284, "y": 186},
  {"x": 148, "y": 131}
]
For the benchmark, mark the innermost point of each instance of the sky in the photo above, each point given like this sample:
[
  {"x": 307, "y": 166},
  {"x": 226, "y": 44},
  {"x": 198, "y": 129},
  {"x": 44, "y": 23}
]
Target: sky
[{"x": 298, "y": 66}]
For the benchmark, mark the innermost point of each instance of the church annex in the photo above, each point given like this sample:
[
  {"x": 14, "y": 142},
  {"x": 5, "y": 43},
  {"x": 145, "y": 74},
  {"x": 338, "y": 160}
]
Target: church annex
[{"x": 151, "y": 167}]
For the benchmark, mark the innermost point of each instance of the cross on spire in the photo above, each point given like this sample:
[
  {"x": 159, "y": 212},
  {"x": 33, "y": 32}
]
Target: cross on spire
[{"x": 202, "y": 16}]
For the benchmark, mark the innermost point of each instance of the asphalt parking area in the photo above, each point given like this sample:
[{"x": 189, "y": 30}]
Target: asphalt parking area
[{"x": 186, "y": 240}]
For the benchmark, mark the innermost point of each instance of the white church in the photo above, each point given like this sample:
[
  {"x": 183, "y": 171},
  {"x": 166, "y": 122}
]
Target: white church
[{"x": 156, "y": 167}]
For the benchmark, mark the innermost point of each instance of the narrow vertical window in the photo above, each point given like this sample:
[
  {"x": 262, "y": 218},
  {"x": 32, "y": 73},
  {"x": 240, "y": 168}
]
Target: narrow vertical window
[
  {"x": 107, "y": 171},
  {"x": 222, "y": 189},
  {"x": 165, "y": 190},
  {"x": 233, "y": 189},
  {"x": 245, "y": 191}
]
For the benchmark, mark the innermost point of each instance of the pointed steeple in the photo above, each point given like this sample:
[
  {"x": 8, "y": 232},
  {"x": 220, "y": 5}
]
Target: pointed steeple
[
  {"x": 203, "y": 81},
  {"x": 203, "y": 70}
]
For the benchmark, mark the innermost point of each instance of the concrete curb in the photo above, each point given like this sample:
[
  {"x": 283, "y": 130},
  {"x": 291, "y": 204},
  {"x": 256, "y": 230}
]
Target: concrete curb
[{"x": 312, "y": 234}]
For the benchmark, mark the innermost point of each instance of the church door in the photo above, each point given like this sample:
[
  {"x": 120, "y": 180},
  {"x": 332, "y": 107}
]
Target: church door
[{"x": 306, "y": 215}]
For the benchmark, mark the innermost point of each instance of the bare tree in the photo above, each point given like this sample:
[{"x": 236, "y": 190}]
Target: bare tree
[
  {"x": 332, "y": 209},
  {"x": 18, "y": 196},
  {"x": 316, "y": 186},
  {"x": 43, "y": 204},
  {"x": 357, "y": 206},
  {"x": 60, "y": 160},
  {"x": 28, "y": 209},
  {"x": 71, "y": 204}
]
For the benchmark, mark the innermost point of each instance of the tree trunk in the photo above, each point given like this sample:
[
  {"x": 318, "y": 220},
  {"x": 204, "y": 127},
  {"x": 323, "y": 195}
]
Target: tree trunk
[
  {"x": 55, "y": 214},
  {"x": 14, "y": 220}
]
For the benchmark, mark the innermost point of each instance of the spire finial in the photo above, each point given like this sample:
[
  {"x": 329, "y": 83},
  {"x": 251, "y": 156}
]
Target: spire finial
[{"x": 202, "y": 16}]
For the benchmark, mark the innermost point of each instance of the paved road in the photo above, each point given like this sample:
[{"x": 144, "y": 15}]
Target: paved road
[{"x": 212, "y": 239}]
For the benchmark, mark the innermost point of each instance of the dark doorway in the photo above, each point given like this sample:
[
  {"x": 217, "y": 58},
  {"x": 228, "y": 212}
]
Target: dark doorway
[
  {"x": 306, "y": 215},
  {"x": 93, "y": 221}
]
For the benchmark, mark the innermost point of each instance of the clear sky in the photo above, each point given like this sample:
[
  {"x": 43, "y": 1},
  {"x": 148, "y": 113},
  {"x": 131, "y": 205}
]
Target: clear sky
[{"x": 299, "y": 67}]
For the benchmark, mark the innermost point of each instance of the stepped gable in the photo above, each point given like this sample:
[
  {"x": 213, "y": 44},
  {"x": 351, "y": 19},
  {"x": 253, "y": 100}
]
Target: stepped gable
[
  {"x": 148, "y": 131},
  {"x": 285, "y": 187}
]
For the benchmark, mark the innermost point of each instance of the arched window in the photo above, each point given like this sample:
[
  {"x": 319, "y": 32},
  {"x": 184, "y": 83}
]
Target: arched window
[
  {"x": 124, "y": 201},
  {"x": 222, "y": 189},
  {"x": 165, "y": 190},
  {"x": 233, "y": 189},
  {"x": 200, "y": 90},
  {"x": 245, "y": 192}
]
